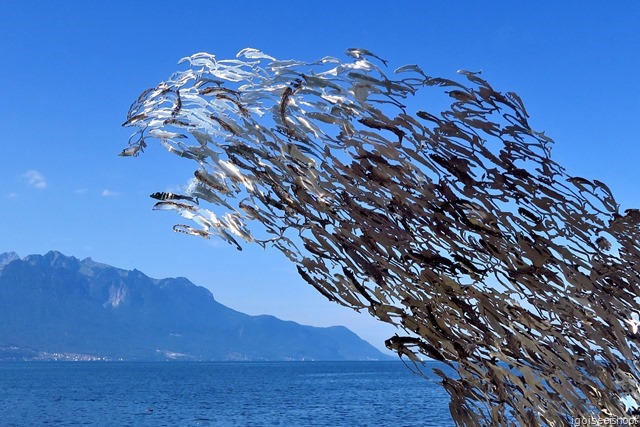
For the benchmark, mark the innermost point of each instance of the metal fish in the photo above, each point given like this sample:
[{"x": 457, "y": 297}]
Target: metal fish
[
  {"x": 459, "y": 228},
  {"x": 171, "y": 196}
]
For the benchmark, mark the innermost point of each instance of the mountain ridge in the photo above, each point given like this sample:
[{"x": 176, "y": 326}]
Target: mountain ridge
[{"x": 53, "y": 305}]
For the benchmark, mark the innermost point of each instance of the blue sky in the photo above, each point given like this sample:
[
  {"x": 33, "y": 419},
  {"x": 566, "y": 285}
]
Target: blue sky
[{"x": 70, "y": 70}]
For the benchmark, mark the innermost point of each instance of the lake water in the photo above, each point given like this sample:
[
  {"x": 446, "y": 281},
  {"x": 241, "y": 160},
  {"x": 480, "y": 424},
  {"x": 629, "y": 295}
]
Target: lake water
[{"x": 219, "y": 394}]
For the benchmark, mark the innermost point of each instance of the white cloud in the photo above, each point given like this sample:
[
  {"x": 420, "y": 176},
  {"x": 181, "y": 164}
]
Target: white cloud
[
  {"x": 214, "y": 242},
  {"x": 35, "y": 179},
  {"x": 81, "y": 191},
  {"x": 12, "y": 195},
  {"x": 109, "y": 193}
]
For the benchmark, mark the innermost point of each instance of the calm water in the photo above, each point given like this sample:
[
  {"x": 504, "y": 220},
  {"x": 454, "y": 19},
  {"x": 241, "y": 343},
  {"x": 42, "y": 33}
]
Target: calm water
[{"x": 219, "y": 394}]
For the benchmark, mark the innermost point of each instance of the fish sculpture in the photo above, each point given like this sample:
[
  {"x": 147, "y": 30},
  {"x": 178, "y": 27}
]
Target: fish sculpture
[{"x": 430, "y": 203}]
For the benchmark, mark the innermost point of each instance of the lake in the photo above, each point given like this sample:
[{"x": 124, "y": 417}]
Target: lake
[{"x": 219, "y": 394}]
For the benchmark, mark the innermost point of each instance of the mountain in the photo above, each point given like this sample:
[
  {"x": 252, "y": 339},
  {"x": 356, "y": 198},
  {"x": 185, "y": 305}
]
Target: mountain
[{"x": 57, "y": 307}]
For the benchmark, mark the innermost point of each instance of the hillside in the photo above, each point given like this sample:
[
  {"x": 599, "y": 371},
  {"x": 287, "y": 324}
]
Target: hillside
[{"x": 57, "y": 307}]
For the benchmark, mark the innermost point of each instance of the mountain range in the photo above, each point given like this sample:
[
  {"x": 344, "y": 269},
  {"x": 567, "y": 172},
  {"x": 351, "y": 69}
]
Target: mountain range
[{"x": 54, "y": 306}]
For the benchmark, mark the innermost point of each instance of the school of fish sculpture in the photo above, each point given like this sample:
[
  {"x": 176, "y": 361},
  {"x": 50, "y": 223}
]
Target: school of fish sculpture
[{"x": 451, "y": 223}]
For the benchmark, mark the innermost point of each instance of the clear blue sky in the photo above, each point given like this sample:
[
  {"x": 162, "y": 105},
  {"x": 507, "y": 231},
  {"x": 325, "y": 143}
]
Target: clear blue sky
[{"x": 69, "y": 71}]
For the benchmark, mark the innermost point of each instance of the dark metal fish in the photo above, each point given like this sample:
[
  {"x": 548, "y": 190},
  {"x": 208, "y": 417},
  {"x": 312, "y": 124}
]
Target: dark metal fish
[{"x": 172, "y": 196}]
